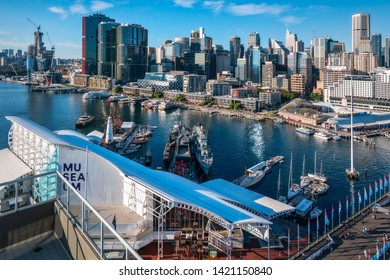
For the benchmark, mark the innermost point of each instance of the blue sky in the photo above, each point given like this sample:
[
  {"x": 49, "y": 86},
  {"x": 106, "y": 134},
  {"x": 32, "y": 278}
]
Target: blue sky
[{"x": 167, "y": 19}]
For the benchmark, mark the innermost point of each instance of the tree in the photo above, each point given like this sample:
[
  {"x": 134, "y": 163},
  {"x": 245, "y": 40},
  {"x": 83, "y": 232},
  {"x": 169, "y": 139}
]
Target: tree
[
  {"x": 117, "y": 89},
  {"x": 158, "y": 94},
  {"x": 316, "y": 96},
  {"x": 287, "y": 96},
  {"x": 237, "y": 105}
]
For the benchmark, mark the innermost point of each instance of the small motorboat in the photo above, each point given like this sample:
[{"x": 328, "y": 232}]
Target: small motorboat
[{"x": 316, "y": 212}]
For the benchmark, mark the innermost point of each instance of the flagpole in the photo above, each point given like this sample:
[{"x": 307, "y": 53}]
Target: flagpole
[
  {"x": 325, "y": 222},
  {"x": 288, "y": 243},
  {"x": 346, "y": 207},
  {"x": 317, "y": 227},
  {"x": 308, "y": 231},
  {"x": 298, "y": 236},
  {"x": 332, "y": 215}
]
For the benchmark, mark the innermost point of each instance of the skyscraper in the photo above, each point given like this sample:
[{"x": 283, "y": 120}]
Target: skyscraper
[
  {"x": 360, "y": 30},
  {"x": 235, "y": 49},
  {"x": 291, "y": 40},
  {"x": 300, "y": 63},
  {"x": 376, "y": 47},
  {"x": 320, "y": 49},
  {"x": 254, "y": 65},
  {"x": 253, "y": 39},
  {"x": 387, "y": 52},
  {"x": 132, "y": 49},
  {"x": 89, "y": 43},
  {"x": 107, "y": 49}
]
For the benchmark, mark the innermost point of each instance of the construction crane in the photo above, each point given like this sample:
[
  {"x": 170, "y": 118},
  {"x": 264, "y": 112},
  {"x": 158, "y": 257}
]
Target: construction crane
[
  {"x": 13, "y": 68},
  {"x": 38, "y": 27},
  {"x": 53, "y": 48}
]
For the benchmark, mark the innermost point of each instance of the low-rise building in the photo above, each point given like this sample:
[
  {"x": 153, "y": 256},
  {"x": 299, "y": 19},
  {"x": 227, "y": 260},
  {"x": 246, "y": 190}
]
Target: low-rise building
[
  {"x": 271, "y": 98},
  {"x": 191, "y": 97},
  {"x": 251, "y": 104},
  {"x": 242, "y": 92},
  {"x": 218, "y": 88}
]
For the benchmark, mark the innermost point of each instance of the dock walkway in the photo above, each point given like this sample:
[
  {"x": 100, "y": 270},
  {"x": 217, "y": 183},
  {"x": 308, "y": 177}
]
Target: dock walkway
[{"x": 359, "y": 234}]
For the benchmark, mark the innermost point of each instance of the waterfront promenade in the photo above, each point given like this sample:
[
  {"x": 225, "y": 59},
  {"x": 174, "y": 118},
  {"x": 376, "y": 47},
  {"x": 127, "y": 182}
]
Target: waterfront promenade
[{"x": 355, "y": 239}]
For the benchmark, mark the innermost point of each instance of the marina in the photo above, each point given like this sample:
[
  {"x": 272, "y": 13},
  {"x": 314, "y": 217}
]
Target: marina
[{"x": 255, "y": 142}]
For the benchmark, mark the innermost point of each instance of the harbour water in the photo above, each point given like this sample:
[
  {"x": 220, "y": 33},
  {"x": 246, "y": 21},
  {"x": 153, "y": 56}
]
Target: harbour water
[{"x": 237, "y": 144}]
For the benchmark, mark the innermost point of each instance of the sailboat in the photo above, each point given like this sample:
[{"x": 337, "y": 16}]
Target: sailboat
[
  {"x": 315, "y": 175},
  {"x": 352, "y": 173},
  {"x": 305, "y": 180},
  {"x": 278, "y": 196},
  {"x": 294, "y": 189}
]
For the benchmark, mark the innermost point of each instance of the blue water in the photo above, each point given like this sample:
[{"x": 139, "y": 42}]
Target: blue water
[{"x": 237, "y": 144}]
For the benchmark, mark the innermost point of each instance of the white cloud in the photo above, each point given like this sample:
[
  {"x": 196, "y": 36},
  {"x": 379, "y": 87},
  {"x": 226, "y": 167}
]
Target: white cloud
[
  {"x": 100, "y": 5},
  {"x": 185, "y": 3},
  {"x": 256, "y": 9},
  {"x": 69, "y": 44},
  {"x": 216, "y": 6},
  {"x": 292, "y": 19},
  {"x": 78, "y": 9},
  {"x": 58, "y": 10},
  {"x": 14, "y": 43}
]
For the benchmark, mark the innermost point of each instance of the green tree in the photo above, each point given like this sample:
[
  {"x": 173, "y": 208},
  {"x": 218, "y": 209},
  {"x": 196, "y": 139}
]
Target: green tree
[
  {"x": 231, "y": 106},
  {"x": 158, "y": 94},
  {"x": 237, "y": 105},
  {"x": 117, "y": 89},
  {"x": 316, "y": 96}
]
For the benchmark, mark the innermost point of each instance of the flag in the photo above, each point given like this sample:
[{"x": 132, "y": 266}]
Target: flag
[
  {"x": 339, "y": 207},
  {"x": 332, "y": 212},
  {"x": 346, "y": 203},
  {"x": 326, "y": 219},
  {"x": 376, "y": 187},
  {"x": 381, "y": 184},
  {"x": 359, "y": 197},
  {"x": 370, "y": 190},
  {"x": 298, "y": 232},
  {"x": 365, "y": 194}
]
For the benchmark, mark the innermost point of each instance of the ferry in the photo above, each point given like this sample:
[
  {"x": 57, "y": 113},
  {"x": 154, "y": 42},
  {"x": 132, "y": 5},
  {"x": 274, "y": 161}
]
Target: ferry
[
  {"x": 84, "y": 121},
  {"x": 96, "y": 95},
  {"x": 304, "y": 130},
  {"x": 322, "y": 135}
]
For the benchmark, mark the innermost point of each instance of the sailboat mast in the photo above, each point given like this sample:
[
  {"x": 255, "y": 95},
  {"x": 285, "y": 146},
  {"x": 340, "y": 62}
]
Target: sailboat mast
[
  {"x": 278, "y": 192},
  {"x": 351, "y": 127},
  {"x": 303, "y": 166},
  {"x": 315, "y": 162},
  {"x": 290, "y": 177}
]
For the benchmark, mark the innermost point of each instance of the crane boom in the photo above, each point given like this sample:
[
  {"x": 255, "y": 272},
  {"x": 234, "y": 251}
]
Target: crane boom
[{"x": 37, "y": 27}]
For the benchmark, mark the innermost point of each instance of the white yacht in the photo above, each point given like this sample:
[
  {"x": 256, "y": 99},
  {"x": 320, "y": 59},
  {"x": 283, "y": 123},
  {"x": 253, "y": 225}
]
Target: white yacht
[
  {"x": 322, "y": 135},
  {"x": 293, "y": 191},
  {"x": 96, "y": 95},
  {"x": 253, "y": 175}
]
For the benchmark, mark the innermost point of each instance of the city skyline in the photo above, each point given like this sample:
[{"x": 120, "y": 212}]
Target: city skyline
[{"x": 221, "y": 20}]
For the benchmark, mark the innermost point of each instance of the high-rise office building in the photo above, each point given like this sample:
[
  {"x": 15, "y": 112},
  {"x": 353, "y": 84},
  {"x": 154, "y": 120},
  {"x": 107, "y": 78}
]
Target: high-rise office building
[
  {"x": 291, "y": 40},
  {"x": 376, "y": 47},
  {"x": 107, "y": 49},
  {"x": 320, "y": 51},
  {"x": 268, "y": 73},
  {"x": 387, "y": 52},
  {"x": 132, "y": 49},
  {"x": 254, "y": 65},
  {"x": 278, "y": 51},
  {"x": 300, "y": 63},
  {"x": 235, "y": 51},
  {"x": 253, "y": 39},
  {"x": 89, "y": 44},
  {"x": 360, "y": 30},
  {"x": 241, "y": 69}
]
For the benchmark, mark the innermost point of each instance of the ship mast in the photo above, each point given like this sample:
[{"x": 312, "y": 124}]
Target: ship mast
[{"x": 352, "y": 173}]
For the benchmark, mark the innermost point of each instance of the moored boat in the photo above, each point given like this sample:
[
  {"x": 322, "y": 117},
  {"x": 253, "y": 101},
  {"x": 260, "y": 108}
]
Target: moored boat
[
  {"x": 304, "y": 130},
  {"x": 322, "y": 135},
  {"x": 316, "y": 212},
  {"x": 252, "y": 175},
  {"x": 96, "y": 95},
  {"x": 202, "y": 148},
  {"x": 84, "y": 121}
]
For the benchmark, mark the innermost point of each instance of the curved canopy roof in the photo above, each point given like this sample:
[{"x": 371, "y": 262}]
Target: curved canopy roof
[{"x": 232, "y": 203}]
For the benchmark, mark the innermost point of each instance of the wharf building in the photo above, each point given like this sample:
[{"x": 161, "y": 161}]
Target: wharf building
[
  {"x": 101, "y": 205},
  {"x": 162, "y": 81}
]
